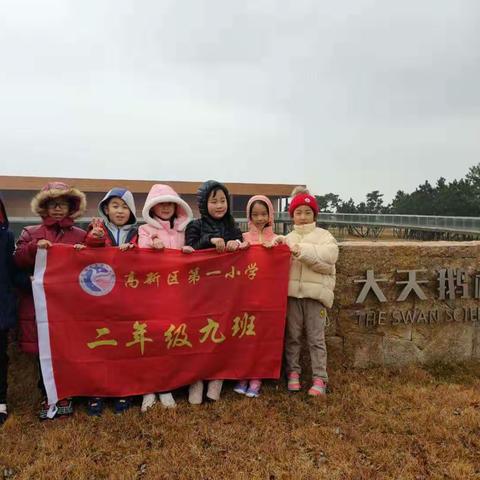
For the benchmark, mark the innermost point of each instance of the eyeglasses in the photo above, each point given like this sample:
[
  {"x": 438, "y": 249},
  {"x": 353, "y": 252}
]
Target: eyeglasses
[{"x": 57, "y": 203}]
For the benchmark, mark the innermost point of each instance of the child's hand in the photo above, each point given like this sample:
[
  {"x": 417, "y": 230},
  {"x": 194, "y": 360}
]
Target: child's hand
[
  {"x": 295, "y": 249},
  {"x": 44, "y": 244},
  {"x": 97, "y": 232},
  {"x": 126, "y": 246},
  {"x": 268, "y": 244},
  {"x": 187, "y": 249},
  {"x": 219, "y": 244},
  {"x": 79, "y": 246},
  {"x": 232, "y": 245},
  {"x": 244, "y": 245},
  {"x": 278, "y": 241},
  {"x": 158, "y": 244}
]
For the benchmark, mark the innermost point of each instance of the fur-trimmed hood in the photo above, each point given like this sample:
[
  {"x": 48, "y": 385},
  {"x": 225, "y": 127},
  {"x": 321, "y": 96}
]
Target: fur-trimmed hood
[
  {"x": 162, "y": 194},
  {"x": 126, "y": 196},
  {"x": 54, "y": 190}
]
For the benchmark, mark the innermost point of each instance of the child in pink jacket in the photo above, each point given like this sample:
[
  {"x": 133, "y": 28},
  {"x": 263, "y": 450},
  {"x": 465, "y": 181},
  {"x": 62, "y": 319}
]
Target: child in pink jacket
[
  {"x": 260, "y": 232},
  {"x": 260, "y": 221},
  {"x": 166, "y": 216}
]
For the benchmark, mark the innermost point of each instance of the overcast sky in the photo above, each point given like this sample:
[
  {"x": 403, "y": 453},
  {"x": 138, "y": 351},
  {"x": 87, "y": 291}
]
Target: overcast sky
[{"x": 346, "y": 96}]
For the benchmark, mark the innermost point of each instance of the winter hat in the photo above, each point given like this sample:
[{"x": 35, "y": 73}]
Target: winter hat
[
  {"x": 301, "y": 196},
  {"x": 123, "y": 194},
  {"x": 54, "y": 190}
]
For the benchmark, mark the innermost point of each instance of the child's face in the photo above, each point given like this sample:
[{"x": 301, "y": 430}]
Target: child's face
[
  {"x": 58, "y": 208},
  {"x": 164, "y": 210},
  {"x": 303, "y": 215},
  {"x": 217, "y": 205},
  {"x": 117, "y": 212},
  {"x": 259, "y": 215}
]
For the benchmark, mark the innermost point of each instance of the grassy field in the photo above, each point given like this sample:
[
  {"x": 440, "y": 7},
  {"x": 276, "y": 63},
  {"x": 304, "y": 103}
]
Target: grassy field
[{"x": 413, "y": 423}]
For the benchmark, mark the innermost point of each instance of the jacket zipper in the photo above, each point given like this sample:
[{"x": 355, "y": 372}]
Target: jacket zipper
[{"x": 301, "y": 274}]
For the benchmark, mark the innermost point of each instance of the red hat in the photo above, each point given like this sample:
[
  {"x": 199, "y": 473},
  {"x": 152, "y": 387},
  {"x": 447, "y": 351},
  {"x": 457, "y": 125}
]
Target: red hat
[{"x": 303, "y": 199}]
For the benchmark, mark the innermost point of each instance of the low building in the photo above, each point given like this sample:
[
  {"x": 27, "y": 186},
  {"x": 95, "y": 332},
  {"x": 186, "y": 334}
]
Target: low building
[{"x": 17, "y": 191}]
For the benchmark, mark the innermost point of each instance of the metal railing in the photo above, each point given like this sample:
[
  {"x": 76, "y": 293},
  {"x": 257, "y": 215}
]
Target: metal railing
[
  {"x": 417, "y": 222},
  {"x": 467, "y": 225}
]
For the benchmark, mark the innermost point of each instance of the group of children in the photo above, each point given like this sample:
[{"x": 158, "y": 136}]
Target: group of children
[{"x": 170, "y": 224}]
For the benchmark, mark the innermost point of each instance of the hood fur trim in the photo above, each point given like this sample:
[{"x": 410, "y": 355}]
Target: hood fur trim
[{"x": 56, "y": 190}]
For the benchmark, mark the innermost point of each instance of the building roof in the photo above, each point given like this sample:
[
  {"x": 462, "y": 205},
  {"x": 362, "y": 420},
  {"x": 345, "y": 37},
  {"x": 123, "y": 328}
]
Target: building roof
[{"x": 8, "y": 182}]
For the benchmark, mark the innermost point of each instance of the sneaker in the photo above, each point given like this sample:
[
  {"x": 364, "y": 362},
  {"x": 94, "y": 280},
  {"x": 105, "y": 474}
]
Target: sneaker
[
  {"x": 293, "y": 382},
  {"x": 95, "y": 406},
  {"x": 241, "y": 387},
  {"x": 121, "y": 405},
  {"x": 3, "y": 413},
  {"x": 254, "y": 389},
  {"x": 43, "y": 412},
  {"x": 195, "y": 393},
  {"x": 64, "y": 407},
  {"x": 167, "y": 400},
  {"x": 149, "y": 400},
  {"x": 319, "y": 388}
]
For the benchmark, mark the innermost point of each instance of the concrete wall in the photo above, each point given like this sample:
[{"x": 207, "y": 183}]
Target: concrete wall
[{"x": 439, "y": 318}]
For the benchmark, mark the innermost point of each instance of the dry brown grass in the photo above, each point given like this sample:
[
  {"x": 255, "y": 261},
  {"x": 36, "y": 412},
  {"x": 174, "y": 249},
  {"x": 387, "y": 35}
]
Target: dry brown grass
[{"x": 413, "y": 423}]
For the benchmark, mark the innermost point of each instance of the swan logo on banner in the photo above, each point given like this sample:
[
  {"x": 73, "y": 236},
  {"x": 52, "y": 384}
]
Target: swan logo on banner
[{"x": 97, "y": 279}]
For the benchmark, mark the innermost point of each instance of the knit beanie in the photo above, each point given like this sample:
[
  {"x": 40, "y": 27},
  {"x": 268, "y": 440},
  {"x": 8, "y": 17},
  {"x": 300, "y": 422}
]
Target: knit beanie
[{"x": 301, "y": 196}]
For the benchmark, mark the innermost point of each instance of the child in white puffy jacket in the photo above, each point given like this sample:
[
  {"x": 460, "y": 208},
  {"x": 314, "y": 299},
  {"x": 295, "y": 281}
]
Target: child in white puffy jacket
[{"x": 310, "y": 291}]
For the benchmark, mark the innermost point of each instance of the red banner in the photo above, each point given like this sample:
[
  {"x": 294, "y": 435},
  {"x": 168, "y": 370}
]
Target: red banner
[{"x": 115, "y": 323}]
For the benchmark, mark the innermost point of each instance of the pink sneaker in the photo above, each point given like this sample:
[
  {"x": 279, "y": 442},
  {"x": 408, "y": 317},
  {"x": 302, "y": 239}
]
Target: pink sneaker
[
  {"x": 254, "y": 389},
  {"x": 293, "y": 383},
  {"x": 318, "y": 389}
]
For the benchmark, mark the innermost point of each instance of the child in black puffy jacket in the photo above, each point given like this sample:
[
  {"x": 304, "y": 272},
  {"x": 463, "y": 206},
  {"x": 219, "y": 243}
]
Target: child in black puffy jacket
[{"x": 215, "y": 228}]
